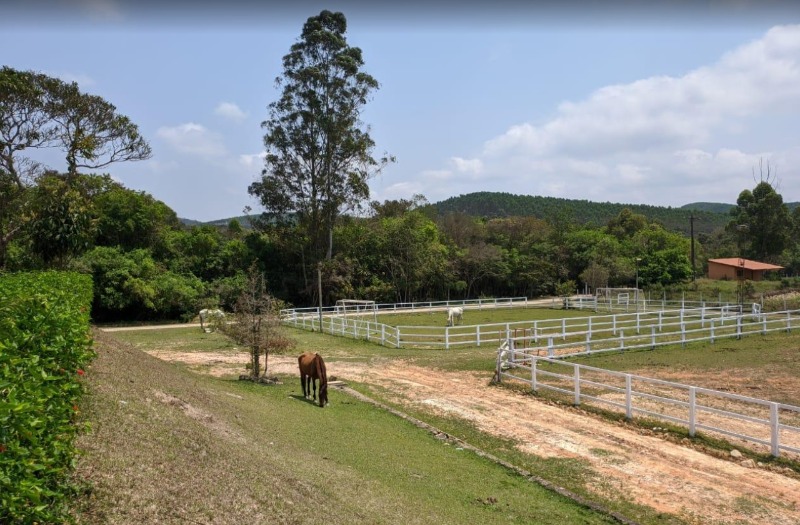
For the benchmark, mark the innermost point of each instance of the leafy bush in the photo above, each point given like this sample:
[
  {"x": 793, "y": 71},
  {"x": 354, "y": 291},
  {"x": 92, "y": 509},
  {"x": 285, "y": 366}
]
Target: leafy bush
[
  {"x": 44, "y": 346},
  {"x": 133, "y": 285}
]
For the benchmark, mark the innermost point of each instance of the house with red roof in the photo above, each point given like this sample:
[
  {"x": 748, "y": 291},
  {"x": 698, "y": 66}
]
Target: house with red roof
[{"x": 737, "y": 268}]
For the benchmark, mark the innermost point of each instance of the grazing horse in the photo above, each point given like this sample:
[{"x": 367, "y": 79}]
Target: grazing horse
[
  {"x": 215, "y": 316},
  {"x": 312, "y": 367},
  {"x": 455, "y": 314}
]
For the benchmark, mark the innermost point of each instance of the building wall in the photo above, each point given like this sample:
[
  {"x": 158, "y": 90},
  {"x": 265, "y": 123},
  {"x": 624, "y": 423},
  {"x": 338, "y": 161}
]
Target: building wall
[{"x": 723, "y": 271}]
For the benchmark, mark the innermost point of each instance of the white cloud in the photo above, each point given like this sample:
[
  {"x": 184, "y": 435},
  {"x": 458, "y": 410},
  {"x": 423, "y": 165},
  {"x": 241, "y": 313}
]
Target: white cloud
[
  {"x": 252, "y": 160},
  {"x": 662, "y": 140},
  {"x": 230, "y": 111},
  {"x": 193, "y": 139},
  {"x": 474, "y": 166}
]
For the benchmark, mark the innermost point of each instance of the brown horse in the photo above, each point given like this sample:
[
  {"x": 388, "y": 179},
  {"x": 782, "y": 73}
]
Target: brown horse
[{"x": 312, "y": 367}]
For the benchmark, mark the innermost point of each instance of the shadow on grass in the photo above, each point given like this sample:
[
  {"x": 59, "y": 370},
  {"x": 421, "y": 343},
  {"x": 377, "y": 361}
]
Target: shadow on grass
[{"x": 299, "y": 397}]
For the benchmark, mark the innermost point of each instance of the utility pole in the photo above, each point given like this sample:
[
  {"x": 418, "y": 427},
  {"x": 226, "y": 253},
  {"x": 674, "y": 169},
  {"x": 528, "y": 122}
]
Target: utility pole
[
  {"x": 691, "y": 232},
  {"x": 319, "y": 286}
]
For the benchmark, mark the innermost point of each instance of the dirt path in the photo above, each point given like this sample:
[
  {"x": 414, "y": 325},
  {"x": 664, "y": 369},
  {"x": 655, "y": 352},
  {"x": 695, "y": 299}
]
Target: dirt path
[{"x": 648, "y": 469}]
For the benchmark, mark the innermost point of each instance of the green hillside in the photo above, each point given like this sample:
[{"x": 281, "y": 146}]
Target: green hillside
[
  {"x": 713, "y": 207},
  {"x": 495, "y": 204}
]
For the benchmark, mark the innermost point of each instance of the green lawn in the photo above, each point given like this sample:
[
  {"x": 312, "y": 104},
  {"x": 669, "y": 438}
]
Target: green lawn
[
  {"x": 168, "y": 445},
  {"x": 482, "y": 316}
]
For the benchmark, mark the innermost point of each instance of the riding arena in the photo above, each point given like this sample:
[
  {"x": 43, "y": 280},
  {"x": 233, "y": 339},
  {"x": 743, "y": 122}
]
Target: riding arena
[{"x": 536, "y": 345}]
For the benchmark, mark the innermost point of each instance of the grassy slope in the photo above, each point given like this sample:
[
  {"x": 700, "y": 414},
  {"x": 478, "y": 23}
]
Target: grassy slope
[{"x": 171, "y": 446}]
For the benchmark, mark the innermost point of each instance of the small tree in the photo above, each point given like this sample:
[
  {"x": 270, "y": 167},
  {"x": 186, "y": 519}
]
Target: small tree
[{"x": 256, "y": 323}]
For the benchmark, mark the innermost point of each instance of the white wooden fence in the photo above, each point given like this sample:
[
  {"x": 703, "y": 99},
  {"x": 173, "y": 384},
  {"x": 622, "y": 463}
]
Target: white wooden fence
[
  {"x": 590, "y": 335},
  {"x": 551, "y": 337},
  {"x": 331, "y": 321},
  {"x": 770, "y": 424}
]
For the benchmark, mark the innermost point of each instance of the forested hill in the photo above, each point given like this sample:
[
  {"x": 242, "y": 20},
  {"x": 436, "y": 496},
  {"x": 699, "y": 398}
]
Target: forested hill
[
  {"x": 496, "y": 204},
  {"x": 713, "y": 207}
]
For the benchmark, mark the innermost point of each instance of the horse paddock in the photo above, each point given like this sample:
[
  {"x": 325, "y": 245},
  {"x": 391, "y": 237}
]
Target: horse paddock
[
  {"x": 646, "y": 465},
  {"x": 640, "y": 464}
]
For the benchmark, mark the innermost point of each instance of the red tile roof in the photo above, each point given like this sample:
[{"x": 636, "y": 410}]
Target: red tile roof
[{"x": 746, "y": 263}]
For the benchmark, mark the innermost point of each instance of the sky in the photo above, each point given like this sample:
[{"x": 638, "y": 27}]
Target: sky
[{"x": 661, "y": 103}]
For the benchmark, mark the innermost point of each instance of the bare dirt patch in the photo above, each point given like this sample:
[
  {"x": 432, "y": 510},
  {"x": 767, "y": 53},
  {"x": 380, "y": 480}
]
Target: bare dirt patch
[{"x": 641, "y": 466}]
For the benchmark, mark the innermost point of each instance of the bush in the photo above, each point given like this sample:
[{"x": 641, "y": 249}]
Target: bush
[
  {"x": 132, "y": 285},
  {"x": 44, "y": 347}
]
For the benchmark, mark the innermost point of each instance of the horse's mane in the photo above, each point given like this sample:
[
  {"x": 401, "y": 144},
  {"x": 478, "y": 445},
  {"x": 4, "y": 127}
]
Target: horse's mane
[{"x": 321, "y": 372}]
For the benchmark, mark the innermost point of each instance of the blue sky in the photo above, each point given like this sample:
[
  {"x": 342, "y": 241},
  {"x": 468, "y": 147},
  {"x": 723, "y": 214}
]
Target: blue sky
[{"x": 606, "y": 101}]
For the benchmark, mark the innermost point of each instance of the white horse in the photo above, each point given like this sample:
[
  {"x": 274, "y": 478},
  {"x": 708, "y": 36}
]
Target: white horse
[
  {"x": 455, "y": 314},
  {"x": 216, "y": 316},
  {"x": 505, "y": 356}
]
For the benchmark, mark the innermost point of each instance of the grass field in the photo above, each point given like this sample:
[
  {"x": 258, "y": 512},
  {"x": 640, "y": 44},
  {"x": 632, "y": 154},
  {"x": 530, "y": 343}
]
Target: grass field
[
  {"x": 172, "y": 446},
  {"x": 751, "y": 361},
  {"x": 482, "y": 316}
]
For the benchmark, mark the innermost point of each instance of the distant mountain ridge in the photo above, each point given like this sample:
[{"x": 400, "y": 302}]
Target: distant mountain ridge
[
  {"x": 708, "y": 215},
  {"x": 244, "y": 221},
  {"x": 713, "y": 207},
  {"x": 500, "y": 204}
]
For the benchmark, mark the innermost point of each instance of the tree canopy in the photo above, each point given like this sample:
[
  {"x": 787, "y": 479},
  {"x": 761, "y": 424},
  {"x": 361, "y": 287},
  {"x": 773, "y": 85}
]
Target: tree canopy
[
  {"x": 39, "y": 111},
  {"x": 318, "y": 152}
]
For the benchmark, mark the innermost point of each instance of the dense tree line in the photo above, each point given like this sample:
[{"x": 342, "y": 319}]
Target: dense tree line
[
  {"x": 499, "y": 204},
  {"x": 146, "y": 264}
]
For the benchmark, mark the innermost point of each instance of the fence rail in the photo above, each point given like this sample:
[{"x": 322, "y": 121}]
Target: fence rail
[
  {"x": 591, "y": 335},
  {"x": 550, "y": 337},
  {"x": 289, "y": 313},
  {"x": 766, "y": 423}
]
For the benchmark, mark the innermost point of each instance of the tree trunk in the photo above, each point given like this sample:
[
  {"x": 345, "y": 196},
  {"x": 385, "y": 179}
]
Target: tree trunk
[{"x": 255, "y": 351}]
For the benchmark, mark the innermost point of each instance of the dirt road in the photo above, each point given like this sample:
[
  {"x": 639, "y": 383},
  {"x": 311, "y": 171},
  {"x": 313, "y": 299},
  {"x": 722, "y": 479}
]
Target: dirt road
[{"x": 647, "y": 469}]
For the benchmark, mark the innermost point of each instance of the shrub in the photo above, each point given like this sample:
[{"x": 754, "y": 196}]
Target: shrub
[{"x": 44, "y": 347}]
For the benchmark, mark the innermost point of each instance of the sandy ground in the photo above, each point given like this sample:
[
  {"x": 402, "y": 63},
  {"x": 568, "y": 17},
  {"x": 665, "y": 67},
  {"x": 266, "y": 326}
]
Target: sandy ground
[{"x": 637, "y": 464}]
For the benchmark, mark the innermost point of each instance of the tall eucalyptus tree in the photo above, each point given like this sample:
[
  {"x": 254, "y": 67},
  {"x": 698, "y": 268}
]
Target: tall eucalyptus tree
[{"x": 318, "y": 152}]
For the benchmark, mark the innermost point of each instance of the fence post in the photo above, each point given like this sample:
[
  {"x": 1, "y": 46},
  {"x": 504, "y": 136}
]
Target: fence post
[
  {"x": 622, "y": 339},
  {"x": 534, "y": 363},
  {"x": 588, "y": 342},
  {"x": 563, "y": 328},
  {"x": 739, "y": 327},
  {"x": 398, "y": 338},
  {"x": 614, "y": 324},
  {"x": 536, "y": 332},
  {"x": 692, "y": 410},
  {"x": 683, "y": 334},
  {"x": 788, "y": 321},
  {"x": 478, "y": 334},
  {"x": 652, "y": 338},
  {"x": 660, "y": 312},
  {"x": 550, "y": 351},
  {"x": 774, "y": 429},
  {"x": 498, "y": 371},
  {"x": 447, "y": 338},
  {"x": 383, "y": 334},
  {"x": 637, "y": 322},
  {"x": 764, "y": 324},
  {"x": 712, "y": 331},
  {"x": 628, "y": 397},
  {"x": 577, "y": 385}
]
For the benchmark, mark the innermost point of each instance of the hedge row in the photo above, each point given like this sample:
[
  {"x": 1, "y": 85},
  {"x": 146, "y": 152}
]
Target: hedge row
[{"x": 44, "y": 345}]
